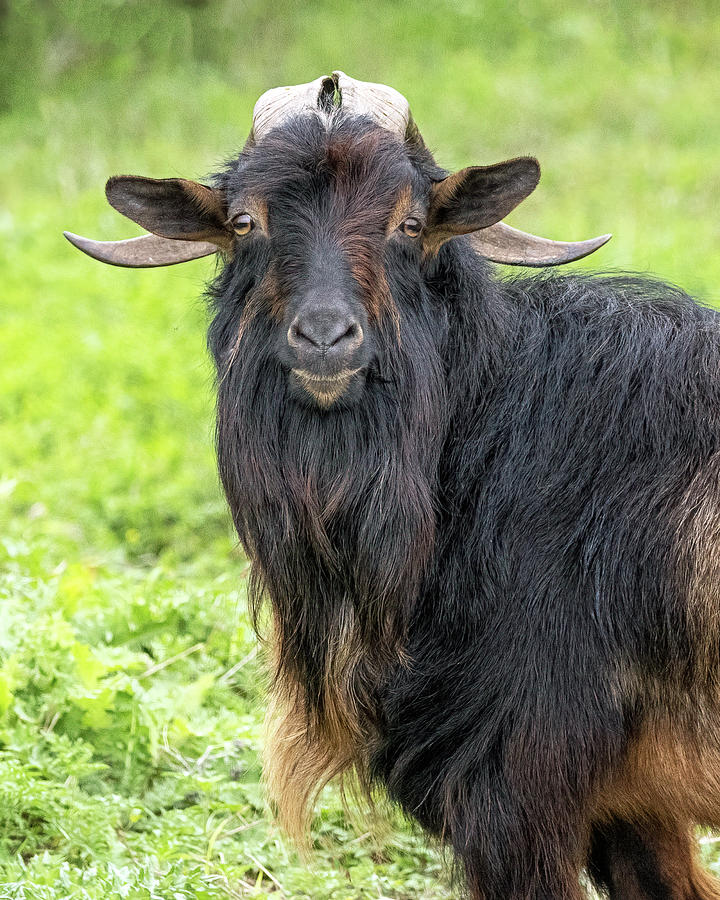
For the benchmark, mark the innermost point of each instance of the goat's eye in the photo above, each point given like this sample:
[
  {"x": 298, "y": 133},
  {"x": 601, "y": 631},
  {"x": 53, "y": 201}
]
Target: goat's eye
[
  {"x": 243, "y": 224},
  {"x": 411, "y": 227}
]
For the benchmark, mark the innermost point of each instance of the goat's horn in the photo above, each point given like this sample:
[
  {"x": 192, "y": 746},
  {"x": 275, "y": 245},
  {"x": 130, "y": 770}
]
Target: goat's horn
[
  {"x": 383, "y": 104},
  {"x": 142, "y": 252},
  {"x": 279, "y": 104},
  {"x": 502, "y": 244}
]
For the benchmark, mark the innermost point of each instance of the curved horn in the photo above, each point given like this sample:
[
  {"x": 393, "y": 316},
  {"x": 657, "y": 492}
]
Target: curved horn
[
  {"x": 142, "y": 252},
  {"x": 279, "y": 104},
  {"x": 502, "y": 244},
  {"x": 383, "y": 104}
]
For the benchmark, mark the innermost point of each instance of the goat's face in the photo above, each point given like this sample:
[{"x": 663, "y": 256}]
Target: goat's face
[
  {"x": 320, "y": 217},
  {"x": 325, "y": 222},
  {"x": 319, "y": 205}
]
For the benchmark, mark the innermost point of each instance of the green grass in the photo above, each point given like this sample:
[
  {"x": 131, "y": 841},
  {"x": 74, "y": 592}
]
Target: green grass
[
  {"x": 130, "y": 724},
  {"x": 131, "y": 691}
]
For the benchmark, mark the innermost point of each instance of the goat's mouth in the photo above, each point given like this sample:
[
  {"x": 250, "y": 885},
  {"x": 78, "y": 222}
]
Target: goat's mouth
[{"x": 325, "y": 389}]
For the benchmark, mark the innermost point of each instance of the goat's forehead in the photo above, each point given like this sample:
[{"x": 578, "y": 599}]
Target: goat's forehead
[{"x": 353, "y": 156}]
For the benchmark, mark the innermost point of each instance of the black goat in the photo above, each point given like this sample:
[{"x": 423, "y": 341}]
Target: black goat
[{"x": 486, "y": 513}]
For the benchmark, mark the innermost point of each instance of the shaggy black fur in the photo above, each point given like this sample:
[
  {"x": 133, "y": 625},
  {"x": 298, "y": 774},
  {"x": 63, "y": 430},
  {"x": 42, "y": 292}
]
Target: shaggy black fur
[{"x": 492, "y": 524}]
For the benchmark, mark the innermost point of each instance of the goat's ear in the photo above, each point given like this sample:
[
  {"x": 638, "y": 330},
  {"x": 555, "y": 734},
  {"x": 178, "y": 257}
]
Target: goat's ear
[
  {"x": 172, "y": 208},
  {"x": 478, "y": 197}
]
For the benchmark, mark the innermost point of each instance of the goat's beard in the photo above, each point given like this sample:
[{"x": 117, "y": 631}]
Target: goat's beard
[{"x": 336, "y": 513}]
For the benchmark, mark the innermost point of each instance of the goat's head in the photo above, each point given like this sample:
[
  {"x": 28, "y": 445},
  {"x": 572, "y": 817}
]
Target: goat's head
[{"x": 333, "y": 195}]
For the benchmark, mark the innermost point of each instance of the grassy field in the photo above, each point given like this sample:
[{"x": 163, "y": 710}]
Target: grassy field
[{"x": 131, "y": 686}]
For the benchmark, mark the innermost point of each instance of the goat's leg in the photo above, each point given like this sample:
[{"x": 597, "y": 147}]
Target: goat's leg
[
  {"x": 512, "y": 847},
  {"x": 513, "y": 872},
  {"x": 481, "y": 888},
  {"x": 648, "y": 862}
]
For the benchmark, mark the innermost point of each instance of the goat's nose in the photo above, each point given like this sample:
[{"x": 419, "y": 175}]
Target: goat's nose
[{"x": 325, "y": 331}]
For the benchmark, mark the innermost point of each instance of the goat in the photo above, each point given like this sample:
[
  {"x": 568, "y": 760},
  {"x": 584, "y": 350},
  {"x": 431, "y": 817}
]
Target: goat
[{"x": 485, "y": 510}]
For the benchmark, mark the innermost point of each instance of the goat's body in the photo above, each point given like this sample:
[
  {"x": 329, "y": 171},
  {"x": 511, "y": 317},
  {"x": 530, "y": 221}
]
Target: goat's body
[
  {"x": 486, "y": 514},
  {"x": 550, "y": 682},
  {"x": 564, "y": 649}
]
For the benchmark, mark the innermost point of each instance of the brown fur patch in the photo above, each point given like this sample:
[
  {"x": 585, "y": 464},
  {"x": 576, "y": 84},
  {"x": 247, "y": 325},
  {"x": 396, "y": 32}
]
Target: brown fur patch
[
  {"x": 651, "y": 861},
  {"x": 211, "y": 204},
  {"x": 207, "y": 199},
  {"x": 671, "y": 770},
  {"x": 269, "y": 297},
  {"x": 266, "y": 297},
  {"x": 668, "y": 781},
  {"x": 401, "y": 210},
  {"x": 358, "y": 216},
  {"x": 443, "y": 193},
  {"x": 272, "y": 294},
  {"x": 369, "y": 273},
  {"x": 676, "y": 854},
  {"x": 303, "y": 753}
]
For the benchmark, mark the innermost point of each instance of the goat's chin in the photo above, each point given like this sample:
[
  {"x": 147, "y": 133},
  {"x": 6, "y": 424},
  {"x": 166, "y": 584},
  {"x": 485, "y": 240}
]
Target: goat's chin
[{"x": 326, "y": 391}]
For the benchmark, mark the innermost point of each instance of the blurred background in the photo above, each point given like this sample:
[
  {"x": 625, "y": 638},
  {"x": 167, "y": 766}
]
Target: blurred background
[{"x": 131, "y": 688}]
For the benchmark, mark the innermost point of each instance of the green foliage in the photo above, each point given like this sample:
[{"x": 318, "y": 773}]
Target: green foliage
[
  {"x": 130, "y": 722},
  {"x": 131, "y": 689}
]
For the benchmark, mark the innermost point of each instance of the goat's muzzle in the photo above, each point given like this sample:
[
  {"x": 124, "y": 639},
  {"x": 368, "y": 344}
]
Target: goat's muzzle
[{"x": 327, "y": 350}]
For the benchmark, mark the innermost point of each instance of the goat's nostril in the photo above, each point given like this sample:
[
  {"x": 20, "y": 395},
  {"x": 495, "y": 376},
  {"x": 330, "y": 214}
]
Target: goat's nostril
[
  {"x": 297, "y": 336},
  {"x": 323, "y": 332},
  {"x": 353, "y": 334}
]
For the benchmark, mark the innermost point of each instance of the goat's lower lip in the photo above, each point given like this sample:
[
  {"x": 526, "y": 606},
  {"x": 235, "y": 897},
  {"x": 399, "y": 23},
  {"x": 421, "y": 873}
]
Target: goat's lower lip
[
  {"x": 325, "y": 389},
  {"x": 328, "y": 380}
]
